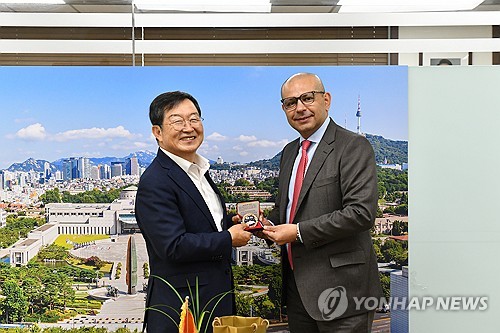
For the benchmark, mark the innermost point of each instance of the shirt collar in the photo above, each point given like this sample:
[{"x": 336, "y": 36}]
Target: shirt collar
[
  {"x": 318, "y": 135},
  {"x": 200, "y": 162}
]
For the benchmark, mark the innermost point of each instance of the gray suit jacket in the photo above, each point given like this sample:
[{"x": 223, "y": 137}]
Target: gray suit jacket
[{"x": 336, "y": 209}]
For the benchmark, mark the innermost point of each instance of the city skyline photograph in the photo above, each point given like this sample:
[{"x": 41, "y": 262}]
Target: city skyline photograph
[{"x": 49, "y": 113}]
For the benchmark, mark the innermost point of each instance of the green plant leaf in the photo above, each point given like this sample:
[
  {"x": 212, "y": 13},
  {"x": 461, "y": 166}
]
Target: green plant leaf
[
  {"x": 163, "y": 312},
  {"x": 171, "y": 287},
  {"x": 193, "y": 308},
  {"x": 198, "y": 300},
  {"x": 222, "y": 295}
]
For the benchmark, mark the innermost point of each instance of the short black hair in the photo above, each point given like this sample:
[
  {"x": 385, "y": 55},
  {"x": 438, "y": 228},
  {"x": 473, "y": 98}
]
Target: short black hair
[{"x": 166, "y": 102}]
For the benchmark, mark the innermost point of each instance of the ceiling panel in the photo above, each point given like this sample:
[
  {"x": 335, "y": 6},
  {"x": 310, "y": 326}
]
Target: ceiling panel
[{"x": 122, "y": 6}]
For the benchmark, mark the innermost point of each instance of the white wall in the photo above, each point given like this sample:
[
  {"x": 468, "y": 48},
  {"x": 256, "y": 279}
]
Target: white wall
[{"x": 432, "y": 32}]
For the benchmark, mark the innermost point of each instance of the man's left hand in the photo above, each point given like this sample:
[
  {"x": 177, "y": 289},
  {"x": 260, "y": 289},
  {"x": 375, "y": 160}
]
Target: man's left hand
[{"x": 281, "y": 234}]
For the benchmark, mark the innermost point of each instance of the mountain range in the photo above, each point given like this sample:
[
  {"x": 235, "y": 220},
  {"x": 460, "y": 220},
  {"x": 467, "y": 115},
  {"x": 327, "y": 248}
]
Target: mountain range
[
  {"x": 390, "y": 151},
  {"x": 144, "y": 159}
]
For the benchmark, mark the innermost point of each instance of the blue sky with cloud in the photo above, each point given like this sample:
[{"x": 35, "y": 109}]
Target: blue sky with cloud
[{"x": 53, "y": 112}]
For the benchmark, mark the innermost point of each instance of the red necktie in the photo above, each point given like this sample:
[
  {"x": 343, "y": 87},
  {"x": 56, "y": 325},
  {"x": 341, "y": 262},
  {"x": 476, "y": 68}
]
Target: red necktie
[{"x": 299, "y": 178}]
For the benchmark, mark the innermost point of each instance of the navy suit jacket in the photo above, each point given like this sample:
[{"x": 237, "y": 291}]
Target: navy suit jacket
[{"x": 183, "y": 243}]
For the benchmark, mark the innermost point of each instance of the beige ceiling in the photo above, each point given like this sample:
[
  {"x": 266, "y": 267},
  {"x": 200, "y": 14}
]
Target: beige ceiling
[{"x": 125, "y": 6}]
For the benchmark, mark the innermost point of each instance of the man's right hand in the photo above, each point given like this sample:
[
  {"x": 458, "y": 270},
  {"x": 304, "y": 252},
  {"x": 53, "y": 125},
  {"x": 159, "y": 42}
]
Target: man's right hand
[{"x": 239, "y": 237}]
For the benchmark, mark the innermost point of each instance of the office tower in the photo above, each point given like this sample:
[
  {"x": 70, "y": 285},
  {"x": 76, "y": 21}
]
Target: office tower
[
  {"x": 116, "y": 169},
  {"x": 133, "y": 166},
  {"x": 47, "y": 172},
  {"x": 94, "y": 172},
  {"x": 83, "y": 168},
  {"x": 104, "y": 171},
  {"x": 68, "y": 169}
]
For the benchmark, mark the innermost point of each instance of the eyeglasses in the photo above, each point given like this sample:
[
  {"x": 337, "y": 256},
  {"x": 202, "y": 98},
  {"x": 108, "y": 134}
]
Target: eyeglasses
[
  {"x": 179, "y": 123},
  {"x": 290, "y": 103}
]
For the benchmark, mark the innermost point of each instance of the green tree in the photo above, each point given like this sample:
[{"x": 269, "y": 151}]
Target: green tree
[
  {"x": 385, "y": 281},
  {"x": 401, "y": 209},
  {"x": 378, "y": 253},
  {"x": 31, "y": 288},
  {"x": 15, "y": 305},
  {"x": 396, "y": 251},
  {"x": 53, "y": 252},
  {"x": 244, "y": 305},
  {"x": 399, "y": 228},
  {"x": 242, "y": 182},
  {"x": 51, "y": 196}
]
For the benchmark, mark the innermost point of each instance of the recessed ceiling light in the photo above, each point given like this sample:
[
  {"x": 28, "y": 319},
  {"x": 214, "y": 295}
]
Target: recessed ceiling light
[
  {"x": 34, "y": 2},
  {"x": 248, "y": 6},
  {"x": 394, "y": 6}
]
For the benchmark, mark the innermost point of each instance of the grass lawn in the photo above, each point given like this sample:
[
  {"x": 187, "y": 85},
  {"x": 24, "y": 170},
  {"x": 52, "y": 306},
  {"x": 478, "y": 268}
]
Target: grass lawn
[
  {"x": 106, "y": 269},
  {"x": 61, "y": 240}
]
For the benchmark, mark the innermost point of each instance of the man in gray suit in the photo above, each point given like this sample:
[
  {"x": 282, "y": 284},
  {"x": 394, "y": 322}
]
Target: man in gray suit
[{"x": 326, "y": 205}]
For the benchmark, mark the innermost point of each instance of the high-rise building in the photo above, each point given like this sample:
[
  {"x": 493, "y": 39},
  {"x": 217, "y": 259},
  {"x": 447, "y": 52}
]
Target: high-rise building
[
  {"x": 70, "y": 168},
  {"x": 94, "y": 172},
  {"x": 2, "y": 180},
  {"x": 83, "y": 167},
  {"x": 104, "y": 171},
  {"x": 46, "y": 170},
  {"x": 133, "y": 166},
  {"x": 116, "y": 169}
]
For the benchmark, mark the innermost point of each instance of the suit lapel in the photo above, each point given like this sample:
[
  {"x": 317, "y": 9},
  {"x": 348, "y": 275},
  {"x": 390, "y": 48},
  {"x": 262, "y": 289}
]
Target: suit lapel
[
  {"x": 185, "y": 183},
  {"x": 325, "y": 147}
]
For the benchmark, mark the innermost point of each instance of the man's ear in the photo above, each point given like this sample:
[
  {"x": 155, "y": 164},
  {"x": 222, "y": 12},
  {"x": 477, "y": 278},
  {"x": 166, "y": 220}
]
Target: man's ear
[
  {"x": 156, "y": 130},
  {"x": 328, "y": 99}
]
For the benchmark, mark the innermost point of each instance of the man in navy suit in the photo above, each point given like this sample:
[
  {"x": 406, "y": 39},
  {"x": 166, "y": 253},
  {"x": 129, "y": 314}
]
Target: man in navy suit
[{"x": 182, "y": 216}]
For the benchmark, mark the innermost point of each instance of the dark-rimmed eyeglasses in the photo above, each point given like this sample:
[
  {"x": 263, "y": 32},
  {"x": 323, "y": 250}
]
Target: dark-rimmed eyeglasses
[
  {"x": 307, "y": 98},
  {"x": 180, "y": 123}
]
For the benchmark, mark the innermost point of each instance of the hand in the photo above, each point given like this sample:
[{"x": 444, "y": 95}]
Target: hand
[
  {"x": 265, "y": 222},
  {"x": 239, "y": 237},
  {"x": 281, "y": 234},
  {"x": 236, "y": 219}
]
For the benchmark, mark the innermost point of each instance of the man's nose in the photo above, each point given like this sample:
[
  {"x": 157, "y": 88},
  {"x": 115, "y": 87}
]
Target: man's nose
[
  {"x": 300, "y": 106},
  {"x": 188, "y": 127}
]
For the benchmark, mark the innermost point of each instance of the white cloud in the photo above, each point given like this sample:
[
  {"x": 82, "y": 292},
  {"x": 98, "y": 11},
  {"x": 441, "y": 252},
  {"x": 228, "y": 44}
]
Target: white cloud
[
  {"x": 216, "y": 137},
  {"x": 208, "y": 150},
  {"x": 246, "y": 138},
  {"x": 243, "y": 153},
  {"x": 268, "y": 143},
  {"x": 94, "y": 133},
  {"x": 32, "y": 132},
  {"x": 133, "y": 146},
  {"x": 237, "y": 148}
]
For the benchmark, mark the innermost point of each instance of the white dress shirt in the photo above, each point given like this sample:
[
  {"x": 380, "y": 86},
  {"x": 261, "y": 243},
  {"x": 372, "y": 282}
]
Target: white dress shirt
[
  {"x": 196, "y": 171},
  {"x": 315, "y": 138}
]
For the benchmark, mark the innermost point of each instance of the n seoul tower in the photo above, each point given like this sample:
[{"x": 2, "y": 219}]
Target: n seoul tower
[{"x": 358, "y": 114}]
